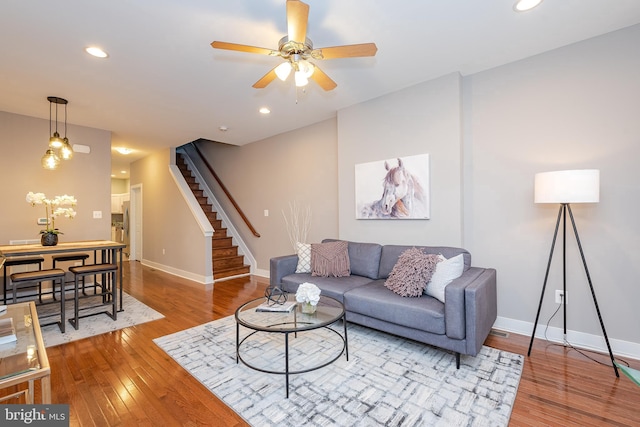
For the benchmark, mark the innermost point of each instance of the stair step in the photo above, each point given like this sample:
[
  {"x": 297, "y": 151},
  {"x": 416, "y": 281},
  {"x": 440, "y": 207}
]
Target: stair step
[
  {"x": 216, "y": 224},
  {"x": 221, "y": 242},
  {"x": 227, "y": 262},
  {"x": 231, "y": 272},
  {"x": 220, "y": 232},
  {"x": 224, "y": 252},
  {"x": 203, "y": 200}
]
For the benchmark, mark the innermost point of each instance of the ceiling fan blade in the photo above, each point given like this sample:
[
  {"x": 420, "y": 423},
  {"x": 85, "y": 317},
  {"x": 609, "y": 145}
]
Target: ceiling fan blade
[
  {"x": 244, "y": 48},
  {"x": 297, "y": 17},
  {"x": 346, "y": 51},
  {"x": 322, "y": 79},
  {"x": 266, "y": 79}
]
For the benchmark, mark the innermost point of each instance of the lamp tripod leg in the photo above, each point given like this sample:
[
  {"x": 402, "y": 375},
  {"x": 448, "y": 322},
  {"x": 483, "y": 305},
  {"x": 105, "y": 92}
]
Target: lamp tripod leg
[
  {"x": 593, "y": 294},
  {"x": 546, "y": 277}
]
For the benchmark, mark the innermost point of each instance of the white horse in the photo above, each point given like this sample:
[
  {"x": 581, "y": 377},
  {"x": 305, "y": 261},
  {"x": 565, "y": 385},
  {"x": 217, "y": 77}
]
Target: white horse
[{"x": 401, "y": 191}]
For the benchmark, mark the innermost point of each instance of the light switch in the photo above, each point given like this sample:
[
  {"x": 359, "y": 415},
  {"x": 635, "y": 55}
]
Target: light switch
[{"x": 266, "y": 212}]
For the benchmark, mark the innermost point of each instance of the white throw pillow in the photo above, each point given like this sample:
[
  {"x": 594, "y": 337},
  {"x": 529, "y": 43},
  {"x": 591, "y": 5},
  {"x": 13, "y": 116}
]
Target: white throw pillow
[
  {"x": 446, "y": 271},
  {"x": 304, "y": 258}
]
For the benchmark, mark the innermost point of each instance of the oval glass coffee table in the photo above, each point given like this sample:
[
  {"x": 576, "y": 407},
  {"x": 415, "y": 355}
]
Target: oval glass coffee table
[{"x": 328, "y": 311}]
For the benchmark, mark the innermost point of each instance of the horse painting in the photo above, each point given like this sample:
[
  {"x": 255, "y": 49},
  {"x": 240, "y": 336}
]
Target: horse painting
[{"x": 403, "y": 195}]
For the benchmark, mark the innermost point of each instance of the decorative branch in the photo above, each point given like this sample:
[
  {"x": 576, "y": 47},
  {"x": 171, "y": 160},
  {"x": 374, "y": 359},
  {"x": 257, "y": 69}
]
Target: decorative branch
[{"x": 298, "y": 223}]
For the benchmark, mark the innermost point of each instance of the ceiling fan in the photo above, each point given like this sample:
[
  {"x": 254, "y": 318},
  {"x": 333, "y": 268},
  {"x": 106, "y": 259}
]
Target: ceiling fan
[{"x": 296, "y": 49}]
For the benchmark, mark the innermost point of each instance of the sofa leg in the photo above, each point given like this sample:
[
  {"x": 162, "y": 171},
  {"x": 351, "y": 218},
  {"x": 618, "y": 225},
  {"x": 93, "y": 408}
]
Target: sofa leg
[{"x": 457, "y": 360}]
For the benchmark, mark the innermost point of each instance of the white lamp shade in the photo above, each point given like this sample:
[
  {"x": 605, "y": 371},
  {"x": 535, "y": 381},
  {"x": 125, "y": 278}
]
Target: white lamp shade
[{"x": 572, "y": 186}]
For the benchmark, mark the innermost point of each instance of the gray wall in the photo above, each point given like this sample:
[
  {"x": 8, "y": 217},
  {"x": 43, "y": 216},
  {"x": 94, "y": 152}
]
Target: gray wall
[
  {"x": 575, "y": 107},
  {"x": 171, "y": 238},
  {"x": 86, "y": 176},
  {"x": 298, "y": 166},
  {"x": 423, "y": 119}
]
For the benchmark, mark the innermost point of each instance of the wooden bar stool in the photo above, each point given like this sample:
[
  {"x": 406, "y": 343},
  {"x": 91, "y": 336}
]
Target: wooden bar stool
[
  {"x": 108, "y": 289},
  {"x": 66, "y": 258},
  {"x": 35, "y": 278},
  {"x": 20, "y": 260}
]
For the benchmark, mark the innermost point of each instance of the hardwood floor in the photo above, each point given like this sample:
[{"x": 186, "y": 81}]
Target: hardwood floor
[{"x": 124, "y": 379}]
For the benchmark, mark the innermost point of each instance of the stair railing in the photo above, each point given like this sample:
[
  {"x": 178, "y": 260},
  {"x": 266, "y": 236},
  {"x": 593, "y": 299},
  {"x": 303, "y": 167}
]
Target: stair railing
[{"x": 226, "y": 192}]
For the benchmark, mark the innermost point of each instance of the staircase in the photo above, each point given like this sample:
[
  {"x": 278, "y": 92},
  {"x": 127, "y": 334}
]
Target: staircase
[{"x": 225, "y": 259}]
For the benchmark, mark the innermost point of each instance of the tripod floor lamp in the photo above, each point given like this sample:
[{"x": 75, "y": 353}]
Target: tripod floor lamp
[{"x": 566, "y": 187}]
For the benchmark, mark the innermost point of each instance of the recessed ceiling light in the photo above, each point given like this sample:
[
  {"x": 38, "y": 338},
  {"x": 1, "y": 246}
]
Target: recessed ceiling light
[
  {"x": 96, "y": 51},
  {"x": 223, "y": 128},
  {"x": 124, "y": 150},
  {"x": 524, "y": 5},
  {"x": 264, "y": 110},
  {"x": 123, "y": 172}
]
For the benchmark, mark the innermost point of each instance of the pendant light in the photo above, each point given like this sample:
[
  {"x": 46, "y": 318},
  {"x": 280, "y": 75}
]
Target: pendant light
[
  {"x": 50, "y": 161},
  {"x": 58, "y": 147}
]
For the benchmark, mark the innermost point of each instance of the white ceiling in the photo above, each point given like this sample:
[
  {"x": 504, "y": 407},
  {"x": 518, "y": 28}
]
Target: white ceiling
[{"x": 163, "y": 85}]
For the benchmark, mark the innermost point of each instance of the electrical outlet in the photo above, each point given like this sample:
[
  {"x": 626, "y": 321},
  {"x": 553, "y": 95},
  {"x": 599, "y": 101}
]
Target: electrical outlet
[{"x": 559, "y": 295}]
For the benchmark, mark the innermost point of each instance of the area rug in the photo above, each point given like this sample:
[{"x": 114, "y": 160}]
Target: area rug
[
  {"x": 134, "y": 313},
  {"x": 387, "y": 381}
]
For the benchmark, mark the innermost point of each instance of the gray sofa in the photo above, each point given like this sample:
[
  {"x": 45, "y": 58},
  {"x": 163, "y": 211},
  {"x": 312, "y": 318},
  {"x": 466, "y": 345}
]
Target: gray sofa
[{"x": 460, "y": 325}]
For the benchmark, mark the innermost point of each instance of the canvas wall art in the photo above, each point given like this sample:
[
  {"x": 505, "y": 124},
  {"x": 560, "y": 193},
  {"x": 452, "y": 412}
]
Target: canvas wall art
[{"x": 395, "y": 188}]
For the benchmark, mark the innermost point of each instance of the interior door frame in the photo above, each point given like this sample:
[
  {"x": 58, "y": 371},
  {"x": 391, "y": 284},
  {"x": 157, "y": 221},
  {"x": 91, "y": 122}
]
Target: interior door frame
[{"x": 135, "y": 215}]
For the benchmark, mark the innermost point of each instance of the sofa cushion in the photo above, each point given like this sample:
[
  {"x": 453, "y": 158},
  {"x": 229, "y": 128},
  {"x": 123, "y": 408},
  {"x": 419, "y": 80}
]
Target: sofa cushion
[
  {"x": 304, "y": 258},
  {"x": 330, "y": 259},
  {"x": 390, "y": 254},
  {"x": 411, "y": 273},
  {"x": 364, "y": 258},
  {"x": 375, "y": 300},
  {"x": 446, "y": 271},
  {"x": 333, "y": 287}
]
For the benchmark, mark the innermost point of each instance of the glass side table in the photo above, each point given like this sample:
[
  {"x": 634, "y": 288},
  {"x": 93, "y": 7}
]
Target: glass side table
[{"x": 25, "y": 360}]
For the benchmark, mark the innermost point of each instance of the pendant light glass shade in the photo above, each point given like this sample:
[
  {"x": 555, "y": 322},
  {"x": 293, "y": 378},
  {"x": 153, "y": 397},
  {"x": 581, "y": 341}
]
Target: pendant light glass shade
[
  {"x": 66, "y": 152},
  {"x": 50, "y": 161},
  {"x": 55, "y": 141}
]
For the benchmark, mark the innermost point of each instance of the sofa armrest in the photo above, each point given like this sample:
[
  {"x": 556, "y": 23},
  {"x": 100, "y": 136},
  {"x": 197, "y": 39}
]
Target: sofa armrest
[
  {"x": 282, "y": 266},
  {"x": 454, "y": 309},
  {"x": 471, "y": 307},
  {"x": 481, "y": 309}
]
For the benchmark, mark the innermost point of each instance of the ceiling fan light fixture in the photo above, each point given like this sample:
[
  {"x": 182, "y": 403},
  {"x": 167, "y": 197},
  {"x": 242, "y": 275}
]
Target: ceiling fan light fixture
[
  {"x": 283, "y": 70},
  {"x": 306, "y": 68},
  {"x": 301, "y": 79}
]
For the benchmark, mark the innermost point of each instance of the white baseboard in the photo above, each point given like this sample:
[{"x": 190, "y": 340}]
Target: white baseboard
[
  {"x": 205, "y": 280},
  {"x": 262, "y": 273},
  {"x": 620, "y": 348}
]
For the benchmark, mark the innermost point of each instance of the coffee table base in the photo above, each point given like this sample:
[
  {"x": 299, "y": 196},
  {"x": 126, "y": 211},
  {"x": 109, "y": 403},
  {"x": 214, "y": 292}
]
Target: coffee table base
[{"x": 287, "y": 372}]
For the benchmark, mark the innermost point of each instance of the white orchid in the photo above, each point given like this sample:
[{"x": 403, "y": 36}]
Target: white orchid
[
  {"x": 50, "y": 204},
  {"x": 309, "y": 293}
]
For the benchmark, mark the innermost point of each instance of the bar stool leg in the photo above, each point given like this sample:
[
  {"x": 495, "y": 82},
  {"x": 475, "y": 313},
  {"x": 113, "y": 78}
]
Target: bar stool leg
[
  {"x": 62, "y": 313},
  {"x": 76, "y": 310}
]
